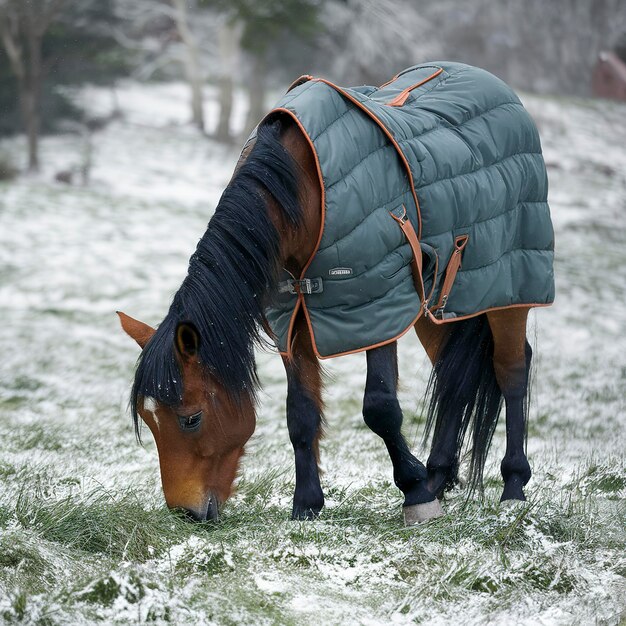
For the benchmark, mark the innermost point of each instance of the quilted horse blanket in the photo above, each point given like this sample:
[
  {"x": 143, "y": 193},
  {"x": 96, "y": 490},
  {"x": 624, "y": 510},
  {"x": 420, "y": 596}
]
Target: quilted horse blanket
[{"x": 434, "y": 194}]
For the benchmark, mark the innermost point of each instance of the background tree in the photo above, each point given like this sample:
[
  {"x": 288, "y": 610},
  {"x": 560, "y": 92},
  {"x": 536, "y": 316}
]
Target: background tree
[
  {"x": 192, "y": 64},
  {"x": 162, "y": 36},
  {"x": 229, "y": 45},
  {"x": 22, "y": 29},
  {"x": 48, "y": 43},
  {"x": 263, "y": 23}
]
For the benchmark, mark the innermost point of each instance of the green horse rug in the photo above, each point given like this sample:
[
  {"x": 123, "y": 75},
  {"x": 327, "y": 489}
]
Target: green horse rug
[{"x": 434, "y": 202}]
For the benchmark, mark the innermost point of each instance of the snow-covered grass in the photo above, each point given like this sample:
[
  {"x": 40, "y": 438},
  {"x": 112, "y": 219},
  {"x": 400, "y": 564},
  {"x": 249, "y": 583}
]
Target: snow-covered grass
[{"x": 84, "y": 534}]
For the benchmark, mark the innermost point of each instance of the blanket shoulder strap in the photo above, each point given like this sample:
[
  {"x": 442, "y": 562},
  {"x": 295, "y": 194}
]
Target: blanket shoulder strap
[
  {"x": 416, "y": 265},
  {"x": 451, "y": 271}
]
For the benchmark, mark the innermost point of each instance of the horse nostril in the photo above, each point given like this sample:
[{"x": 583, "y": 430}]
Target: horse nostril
[{"x": 210, "y": 513}]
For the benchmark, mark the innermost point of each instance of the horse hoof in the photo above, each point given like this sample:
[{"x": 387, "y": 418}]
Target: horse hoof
[
  {"x": 300, "y": 514},
  {"x": 420, "y": 513},
  {"x": 512, "y": 504}
]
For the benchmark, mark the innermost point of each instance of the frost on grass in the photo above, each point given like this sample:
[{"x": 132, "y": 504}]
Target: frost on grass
[{"x": 84, "y": 533}]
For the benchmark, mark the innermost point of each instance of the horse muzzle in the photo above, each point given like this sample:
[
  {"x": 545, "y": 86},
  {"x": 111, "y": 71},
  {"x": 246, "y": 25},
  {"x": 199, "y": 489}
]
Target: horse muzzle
[{"x": 209, "y": 512}]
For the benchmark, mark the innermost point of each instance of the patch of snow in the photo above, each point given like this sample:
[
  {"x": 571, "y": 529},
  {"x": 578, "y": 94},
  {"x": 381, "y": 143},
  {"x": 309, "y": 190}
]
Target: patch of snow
[{"x": 71, "y": 256}]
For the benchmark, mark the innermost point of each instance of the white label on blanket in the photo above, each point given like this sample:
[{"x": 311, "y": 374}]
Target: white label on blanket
[{"x": 340, "y": 271}]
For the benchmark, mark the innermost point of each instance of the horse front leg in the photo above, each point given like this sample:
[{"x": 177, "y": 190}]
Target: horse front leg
[
  {"x": 442, "y": 463},
  {"x": 304, "y": 422},
  {"x": 383, "y": 415}
]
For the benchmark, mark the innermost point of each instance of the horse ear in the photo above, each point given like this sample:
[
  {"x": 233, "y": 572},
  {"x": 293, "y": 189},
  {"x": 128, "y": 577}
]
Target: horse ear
[
  {"x": 187, "y": 339},
  {"x": 135, "y": 329}
]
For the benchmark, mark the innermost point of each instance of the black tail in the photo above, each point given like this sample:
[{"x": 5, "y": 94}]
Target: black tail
[{"x": 464, "y": 395}]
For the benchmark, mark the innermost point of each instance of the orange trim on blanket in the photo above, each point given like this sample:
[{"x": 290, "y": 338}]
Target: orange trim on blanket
[
  {"x": 391, "y": 80},
  {"x": 431, "y": 319},
  {"x": 534, "y": 305},
  {"x": 389, "y": 136},
  {"x": 299, "y": 81},
  {"x": 301, "y": 302},
  {"x": 401, "y": 98}
]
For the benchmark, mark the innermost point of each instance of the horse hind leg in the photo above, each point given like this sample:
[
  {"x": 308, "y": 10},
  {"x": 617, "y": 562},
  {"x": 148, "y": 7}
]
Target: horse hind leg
[
  {"x": 383, "y": 415},
  {"x": 305, "y": 422},
  {"x": 512, "y": 357},
  {"x": 464, "y": 396}
]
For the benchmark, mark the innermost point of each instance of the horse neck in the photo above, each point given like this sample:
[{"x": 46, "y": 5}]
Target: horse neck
[{"x": 297, "y": 245}]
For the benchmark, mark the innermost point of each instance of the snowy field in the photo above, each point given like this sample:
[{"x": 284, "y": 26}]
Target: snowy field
[{"x": 84, "y": 534}]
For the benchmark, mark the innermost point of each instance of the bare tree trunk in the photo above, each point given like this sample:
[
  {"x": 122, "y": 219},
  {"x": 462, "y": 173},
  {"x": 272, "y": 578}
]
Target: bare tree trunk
[
  {"x": 193, "y": 69},
  {"x": 22, "y": 28},
  {"x": 256, "y": 91},
  {"x": 226, "y": 89},
  {"x": 228, "y": 40},
  {"x": 32, "y": 93},
  {"x": 30, "y": 119}
]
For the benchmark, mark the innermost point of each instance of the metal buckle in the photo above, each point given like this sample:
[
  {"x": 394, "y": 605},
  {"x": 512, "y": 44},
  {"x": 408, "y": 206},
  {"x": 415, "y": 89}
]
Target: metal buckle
[{"x": 305, "y": 286}]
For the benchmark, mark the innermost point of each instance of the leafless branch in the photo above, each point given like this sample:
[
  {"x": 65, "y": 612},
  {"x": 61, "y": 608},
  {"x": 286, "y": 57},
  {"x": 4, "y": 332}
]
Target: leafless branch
[{"x": 9, "y": 35}]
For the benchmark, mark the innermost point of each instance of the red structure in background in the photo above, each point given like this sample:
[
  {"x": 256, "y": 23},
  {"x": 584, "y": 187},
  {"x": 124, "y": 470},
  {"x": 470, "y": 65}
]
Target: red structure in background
[{"x": 609, "y": 77}]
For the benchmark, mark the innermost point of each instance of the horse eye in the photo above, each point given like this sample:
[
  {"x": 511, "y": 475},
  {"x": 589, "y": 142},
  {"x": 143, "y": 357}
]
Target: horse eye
[{"x": 190, "y": 422}]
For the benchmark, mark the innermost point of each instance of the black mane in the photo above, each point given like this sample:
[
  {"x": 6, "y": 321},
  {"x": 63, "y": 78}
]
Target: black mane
[{"x": 230, "y": 275}]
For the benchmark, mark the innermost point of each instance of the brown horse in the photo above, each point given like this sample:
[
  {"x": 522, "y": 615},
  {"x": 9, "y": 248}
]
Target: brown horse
[{"x": 195, "y": 381}]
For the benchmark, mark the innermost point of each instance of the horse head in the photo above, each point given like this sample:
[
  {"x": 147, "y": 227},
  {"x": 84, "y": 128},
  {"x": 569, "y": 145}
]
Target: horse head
[{"x": 201, "y": 439}]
